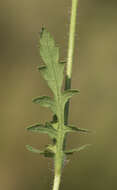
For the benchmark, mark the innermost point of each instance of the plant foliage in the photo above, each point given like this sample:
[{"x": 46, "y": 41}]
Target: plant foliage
[{"x": 52, "y": 72}]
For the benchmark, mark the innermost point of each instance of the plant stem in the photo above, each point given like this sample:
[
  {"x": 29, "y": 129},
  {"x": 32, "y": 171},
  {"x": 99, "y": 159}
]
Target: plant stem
[
  {"x": 56, "y": 182},
  {"x": 59, "y": 157},
  {"x": 70, "y": 52}
]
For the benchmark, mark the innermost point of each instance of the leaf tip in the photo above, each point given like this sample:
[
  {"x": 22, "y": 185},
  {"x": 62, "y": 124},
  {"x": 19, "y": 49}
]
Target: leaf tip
[{"x": 42, "y": 30}]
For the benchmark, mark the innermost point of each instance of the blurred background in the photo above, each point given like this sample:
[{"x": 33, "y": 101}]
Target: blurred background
[{"x": 94, "y": 73}]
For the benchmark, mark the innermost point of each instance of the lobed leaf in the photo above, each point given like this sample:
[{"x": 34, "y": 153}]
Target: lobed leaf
[{"x": 52, "y": 72}]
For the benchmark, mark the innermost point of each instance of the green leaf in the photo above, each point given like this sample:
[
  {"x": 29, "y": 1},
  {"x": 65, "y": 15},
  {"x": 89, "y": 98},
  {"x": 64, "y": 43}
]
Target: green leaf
[
  {"x": 47, "y": 152},
  {"x": 71, "y": 151},
  {"x": 45, "y": 129},
  {"x": 32, "y": 149},
  {"x": 46, "y": 101},
  {"x": 71, "y": 128},
  {"x": 53, "y": 69},
  {"x": 67, "y": 94}
]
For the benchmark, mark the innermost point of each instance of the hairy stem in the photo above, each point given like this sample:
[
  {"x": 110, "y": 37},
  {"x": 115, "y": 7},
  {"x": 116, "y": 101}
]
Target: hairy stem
[{"x": 70, "y": 52}]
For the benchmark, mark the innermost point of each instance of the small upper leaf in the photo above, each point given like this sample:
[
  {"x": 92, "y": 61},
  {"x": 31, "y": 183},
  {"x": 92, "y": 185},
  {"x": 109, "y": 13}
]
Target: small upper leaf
[{"x": 53, "y": 69}]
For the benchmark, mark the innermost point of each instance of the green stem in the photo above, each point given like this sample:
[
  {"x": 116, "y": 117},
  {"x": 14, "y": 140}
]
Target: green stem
[
  {"x": 58, "y": 162},
  {"x": 70, "y": 52},
  {"x": 72, "y": 37},
  {"x": 56, "y": 181},
  {"x": 59, "y": 157}
]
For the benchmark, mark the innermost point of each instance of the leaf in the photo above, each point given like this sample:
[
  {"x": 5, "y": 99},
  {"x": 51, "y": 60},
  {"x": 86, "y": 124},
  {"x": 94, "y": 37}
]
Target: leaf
[
  {"x": 45, "y": 129},
  {"x": 71, "y": 151},
  {"x": 53, "y": 69},
  {"x": 46, "y": 101},
  {"x": 67, "y": 94},
  {"x": 71, "y": 128},
  {"x": 46, "y": 152},
  {"x": 53, "y": 72},
  {"x": 32, "y": 149}
]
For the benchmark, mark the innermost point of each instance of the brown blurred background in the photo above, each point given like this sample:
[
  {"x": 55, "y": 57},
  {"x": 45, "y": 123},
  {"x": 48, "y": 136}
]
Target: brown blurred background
[{"x": 94, "y": 73}]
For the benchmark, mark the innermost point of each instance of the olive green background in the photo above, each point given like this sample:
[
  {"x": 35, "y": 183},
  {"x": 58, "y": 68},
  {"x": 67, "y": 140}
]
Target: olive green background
[{"x": 94, "y": 73}]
